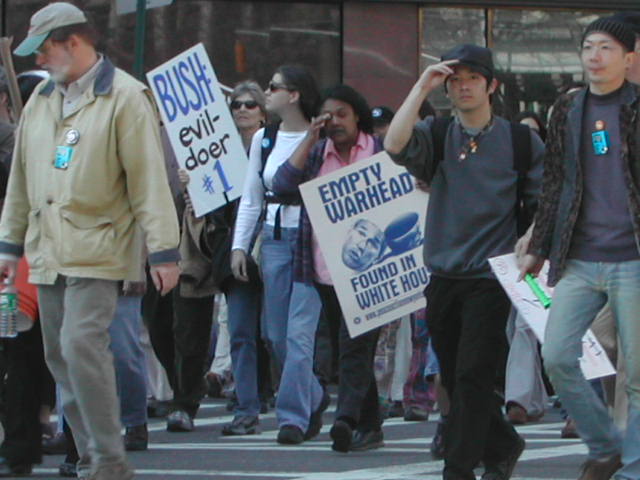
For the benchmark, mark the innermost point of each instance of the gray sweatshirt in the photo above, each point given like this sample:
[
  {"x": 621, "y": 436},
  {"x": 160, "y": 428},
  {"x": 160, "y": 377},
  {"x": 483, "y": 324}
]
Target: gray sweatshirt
[{"x": 471, "y": 215}]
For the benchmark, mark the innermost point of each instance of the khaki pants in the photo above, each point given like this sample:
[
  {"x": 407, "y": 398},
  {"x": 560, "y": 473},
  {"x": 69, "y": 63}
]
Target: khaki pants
[
  {"x": 75, "y": 317},
  {"x": 523, "y": 382},
  {"x": 604, "y": 328}
]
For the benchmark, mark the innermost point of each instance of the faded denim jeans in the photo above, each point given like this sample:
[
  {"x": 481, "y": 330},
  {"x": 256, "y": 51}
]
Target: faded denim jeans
[{"x": 583, "y": 290}]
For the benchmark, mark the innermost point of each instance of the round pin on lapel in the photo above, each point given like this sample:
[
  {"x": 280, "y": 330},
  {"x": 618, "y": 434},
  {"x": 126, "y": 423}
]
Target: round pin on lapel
[{"x": 72, "y": 137}]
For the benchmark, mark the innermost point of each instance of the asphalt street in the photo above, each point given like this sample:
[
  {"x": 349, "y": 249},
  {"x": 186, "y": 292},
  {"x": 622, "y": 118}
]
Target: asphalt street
[{"x": 206, "y": 454}]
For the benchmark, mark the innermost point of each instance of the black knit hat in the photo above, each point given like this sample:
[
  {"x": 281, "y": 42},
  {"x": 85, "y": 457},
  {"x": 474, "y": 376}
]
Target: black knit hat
[
  {"x": 630, "y": 19},
  {"x": 617, "y": 29},
  {"x": 478, "y": 59}
]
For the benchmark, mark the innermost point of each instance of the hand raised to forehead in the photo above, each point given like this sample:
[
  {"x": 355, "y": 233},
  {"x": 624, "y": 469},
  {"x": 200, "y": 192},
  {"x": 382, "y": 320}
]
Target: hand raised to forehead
[
  {"x": 436, "y": 74},
  {"x": 317, "y": 123}
]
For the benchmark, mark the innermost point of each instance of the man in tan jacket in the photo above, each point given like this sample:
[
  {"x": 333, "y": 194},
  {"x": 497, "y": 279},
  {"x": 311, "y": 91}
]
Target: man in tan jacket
[{"x": 87, "y": 171}]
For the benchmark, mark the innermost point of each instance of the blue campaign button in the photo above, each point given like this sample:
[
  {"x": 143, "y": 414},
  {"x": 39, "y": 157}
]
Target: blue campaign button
[{"x": 63, "y": 157}]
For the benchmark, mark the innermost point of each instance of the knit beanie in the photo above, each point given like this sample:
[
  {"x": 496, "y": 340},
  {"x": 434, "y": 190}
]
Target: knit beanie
[
  {"x": 618, "y": 30},
  {"x": 630, "y": 19}
]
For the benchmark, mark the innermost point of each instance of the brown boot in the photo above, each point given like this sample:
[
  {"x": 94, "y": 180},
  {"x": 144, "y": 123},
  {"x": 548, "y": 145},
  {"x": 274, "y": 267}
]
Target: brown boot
[
  {"x": 569, "y": 430},
  {"x": 600, "y": 468}
]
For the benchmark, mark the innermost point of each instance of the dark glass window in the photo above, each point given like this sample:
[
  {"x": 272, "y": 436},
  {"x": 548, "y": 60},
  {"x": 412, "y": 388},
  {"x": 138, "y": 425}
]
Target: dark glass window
[
  {"x": 536, "y": 52},
  {"x": 243, "y": 39},
  {"x": 443, "y": 29}
]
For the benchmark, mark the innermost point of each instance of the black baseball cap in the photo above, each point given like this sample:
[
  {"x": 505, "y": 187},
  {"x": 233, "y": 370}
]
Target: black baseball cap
[
  {"x": 381, "y": 115},
  {"x": 479, "y": 59}
]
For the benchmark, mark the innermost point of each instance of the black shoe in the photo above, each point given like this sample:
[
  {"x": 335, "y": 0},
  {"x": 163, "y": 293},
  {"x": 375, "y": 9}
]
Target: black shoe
[
  {"x": 266, "y": 403},
  {"x": 290, "y": 435},
  {"x": 341, "y": 434},
  {"x": 504, "y": 468},
  {"x": 415, "y": 414},
  {"x": 67, "y": 469},
  {"x": 396, "y": 409},
  {"x": 179, "y": 421},
  {"x": 315, "y": 421},
  {"x": 368, "y": 440},
  {"x": 14, "y": 469},
  {"x": 232, "y": 403},
  {"x": 48, "y": 430},
  {"x": 437, "y": 444},
  {"x": 214, "y": 385},
  {"x": 56, "y": 445},
  {"x": 242, "y": 425},
  {"x": 158, "y": 408},
  {"x": 136, "y": 438}
]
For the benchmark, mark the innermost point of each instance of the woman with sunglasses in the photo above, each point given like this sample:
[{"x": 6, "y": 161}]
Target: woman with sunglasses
[
  {"x": 292, "y": 96},
  {"x": 247, "y": 104}
]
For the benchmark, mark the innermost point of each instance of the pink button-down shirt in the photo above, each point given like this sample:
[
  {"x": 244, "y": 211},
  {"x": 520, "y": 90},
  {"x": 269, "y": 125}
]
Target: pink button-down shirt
[{"x": 332, "y": 161}]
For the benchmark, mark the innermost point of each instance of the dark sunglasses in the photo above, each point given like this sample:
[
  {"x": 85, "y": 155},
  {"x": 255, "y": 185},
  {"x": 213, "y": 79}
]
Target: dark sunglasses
[
  {"x": 274, "y": 87},
  {"x": 249, "y": 104}
]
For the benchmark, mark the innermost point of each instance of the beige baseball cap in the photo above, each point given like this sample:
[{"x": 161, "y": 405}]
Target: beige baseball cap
[{"x": 54, "y": 15}]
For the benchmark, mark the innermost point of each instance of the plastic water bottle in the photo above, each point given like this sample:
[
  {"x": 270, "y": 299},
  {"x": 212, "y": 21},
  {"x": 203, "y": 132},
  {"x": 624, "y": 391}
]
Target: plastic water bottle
[{"x": 8, "y": 311}]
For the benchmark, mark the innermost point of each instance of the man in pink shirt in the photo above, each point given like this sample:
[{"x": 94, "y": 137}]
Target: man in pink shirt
[{"x": 346, "y": 118}]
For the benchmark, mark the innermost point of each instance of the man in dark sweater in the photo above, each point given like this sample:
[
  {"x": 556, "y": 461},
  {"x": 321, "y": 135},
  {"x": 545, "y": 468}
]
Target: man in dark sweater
[
  {"x": 471, "y": 217},
  {"x": 587, "y": 225}
]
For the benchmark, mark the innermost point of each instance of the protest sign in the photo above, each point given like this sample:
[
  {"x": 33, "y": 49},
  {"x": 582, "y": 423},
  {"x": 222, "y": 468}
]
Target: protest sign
[
  {"x": 369, "y": 221},
  {"x": 594, "y": 361},
  {"x": 200, "y": 128}
]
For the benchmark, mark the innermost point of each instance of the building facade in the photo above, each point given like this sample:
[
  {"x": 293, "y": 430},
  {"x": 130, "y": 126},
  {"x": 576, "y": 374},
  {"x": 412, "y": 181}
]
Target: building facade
[{"x": 379, "y": 47}]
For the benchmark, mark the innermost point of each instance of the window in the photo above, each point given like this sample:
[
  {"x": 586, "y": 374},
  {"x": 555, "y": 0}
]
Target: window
[
  {"x": 536, "y": 52},
  {"x": 243, "y": 39}
]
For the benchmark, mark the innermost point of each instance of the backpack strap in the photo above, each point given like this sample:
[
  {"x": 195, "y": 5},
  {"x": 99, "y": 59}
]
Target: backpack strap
[
  {"x": 522, "y": 152},
  {"x": 268, "y": 142},
  {"x": 439, "y": 129},
  {"x": 266, "y": 147}
]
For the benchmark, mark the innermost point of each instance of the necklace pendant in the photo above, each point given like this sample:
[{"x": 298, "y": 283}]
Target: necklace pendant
[
  {"x": 474, "y": 147},
  {"x": 462, "y": 156}
]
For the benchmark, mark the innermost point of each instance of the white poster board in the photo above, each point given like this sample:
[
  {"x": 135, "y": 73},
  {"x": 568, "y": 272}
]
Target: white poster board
[
  {"x": 369, "y": 221},
  {"x": 200, "y": 128},
  {"x": 594, "y": 361}
]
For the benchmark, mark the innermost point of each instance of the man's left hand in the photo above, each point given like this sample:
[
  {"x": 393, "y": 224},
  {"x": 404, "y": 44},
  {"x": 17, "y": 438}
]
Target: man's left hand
[{"x": 165, "y": 276}]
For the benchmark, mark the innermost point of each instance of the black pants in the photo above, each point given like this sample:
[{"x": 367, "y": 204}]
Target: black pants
[
  {"x": 325, "y": 361},
  {"x": 358, "y": 402},
  {"x": 180, "y": 333},
  {"x": 28, "y": 385},
  {"x": 467, "y": 320}
]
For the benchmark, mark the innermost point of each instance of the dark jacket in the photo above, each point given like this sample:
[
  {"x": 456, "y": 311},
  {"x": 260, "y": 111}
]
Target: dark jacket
[
  {"x": 286, "y": 181},
  {"x": 563, "y": 182}
]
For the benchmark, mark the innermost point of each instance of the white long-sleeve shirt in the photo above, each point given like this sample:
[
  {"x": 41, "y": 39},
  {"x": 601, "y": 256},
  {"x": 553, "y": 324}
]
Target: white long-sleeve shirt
[{"x": 253, "y": 190}]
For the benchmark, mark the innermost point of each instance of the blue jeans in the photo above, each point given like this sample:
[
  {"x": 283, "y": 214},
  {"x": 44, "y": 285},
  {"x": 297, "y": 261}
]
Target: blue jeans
[
  {"x": 300, "y": 392},
  {"x": 290, "y": 318},
  {"x": 129, "y": 361},
  {"x": 243, "y": 301},
  {"x": 276, "y": 262},
  {"x": 583, "y": 290}
]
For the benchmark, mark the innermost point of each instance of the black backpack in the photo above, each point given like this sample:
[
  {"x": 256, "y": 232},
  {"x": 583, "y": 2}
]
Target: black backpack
[{"x": 522, "y": 152}]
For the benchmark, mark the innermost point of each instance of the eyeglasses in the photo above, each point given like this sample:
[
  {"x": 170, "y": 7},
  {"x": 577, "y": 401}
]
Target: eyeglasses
[
  {"x": 274, "y": 87},
  {"x": 249, "y": 104}
]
